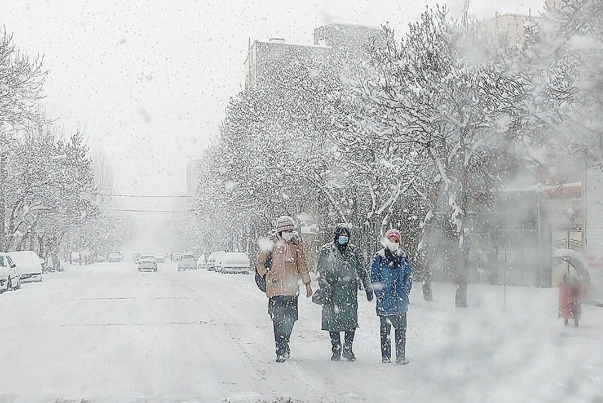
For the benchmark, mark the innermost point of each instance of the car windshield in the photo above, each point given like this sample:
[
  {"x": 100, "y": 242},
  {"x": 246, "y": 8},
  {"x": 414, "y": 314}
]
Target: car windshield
[{"x": 415, "y": 189}]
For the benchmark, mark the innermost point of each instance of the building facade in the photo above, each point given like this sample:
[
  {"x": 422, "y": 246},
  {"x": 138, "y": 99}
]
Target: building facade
[
  {"x": 509, "y": 26},
  {"x": 341, "y": 44},
  {"x": 348, "y": 41},
  {"x": 265, "y": 59}
]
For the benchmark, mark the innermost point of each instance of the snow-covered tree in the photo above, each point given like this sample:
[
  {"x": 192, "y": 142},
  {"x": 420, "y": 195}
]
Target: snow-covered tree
[
  {"x": 49, "y": 190},
  {"x": 561, "y": 61},
  {"x": 21, "y": 84},
  {"x": 434, "y": 91}
]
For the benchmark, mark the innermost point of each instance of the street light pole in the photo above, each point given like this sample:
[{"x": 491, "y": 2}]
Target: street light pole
[{"x": 3, "y": 246}]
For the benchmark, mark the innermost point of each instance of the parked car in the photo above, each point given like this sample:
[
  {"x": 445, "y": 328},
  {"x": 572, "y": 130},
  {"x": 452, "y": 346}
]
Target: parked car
[
  {"x": 187, "y": 262},
  {"x": 160, "y": 257},
  {"x": 29, "y": 265},
  {"x": 176, "y": 257},
  {"x": 202, "y": 262},
  {"x": 114, "y": 257},
  {"x": 147, "y": 262},
  {"x": 213, "y": 261},
  {"x": 235, "y": 262},
  {"x": 10, "y": 278},
  {"x": 101, "y": 258}
]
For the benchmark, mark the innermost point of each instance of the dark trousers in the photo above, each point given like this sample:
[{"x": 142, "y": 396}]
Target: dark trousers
[
  {"x": 399, "y": 323},
  {"x": 283, "y": 311},
  {"x": 283, "y": 327},
  {"x": 336, "y": 341}
]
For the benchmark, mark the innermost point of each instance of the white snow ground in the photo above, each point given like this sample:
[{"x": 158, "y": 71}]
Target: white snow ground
[{"x": 107, "y": 333}]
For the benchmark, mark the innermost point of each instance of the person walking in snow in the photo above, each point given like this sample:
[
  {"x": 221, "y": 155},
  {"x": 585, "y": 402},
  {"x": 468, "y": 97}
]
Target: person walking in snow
[
  {"x": 391, "y": 278},
  {"x": 339, "y": 267},
  {"x": 283, "y": 264}
]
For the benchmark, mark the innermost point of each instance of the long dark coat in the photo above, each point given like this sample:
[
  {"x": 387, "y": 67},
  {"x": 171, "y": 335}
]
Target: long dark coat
[{"x": 338, "y": 276}]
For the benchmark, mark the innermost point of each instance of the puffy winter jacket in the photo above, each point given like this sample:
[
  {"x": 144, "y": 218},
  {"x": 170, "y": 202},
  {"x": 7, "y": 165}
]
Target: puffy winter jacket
[
  {"x": 286, "y": 269},
  {"x": 392, "y": 284}
]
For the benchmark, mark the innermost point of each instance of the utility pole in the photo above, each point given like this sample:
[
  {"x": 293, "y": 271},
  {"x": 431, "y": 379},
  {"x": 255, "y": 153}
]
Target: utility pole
[
  {"x": 465, "y": 15},
  {"x": 3, "y": 246}
]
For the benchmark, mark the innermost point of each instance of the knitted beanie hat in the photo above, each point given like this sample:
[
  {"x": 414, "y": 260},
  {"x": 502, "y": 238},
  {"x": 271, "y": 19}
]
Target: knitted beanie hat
[
  {"x": 285, "y": 223},
  {"x": 394, "y": 233}
]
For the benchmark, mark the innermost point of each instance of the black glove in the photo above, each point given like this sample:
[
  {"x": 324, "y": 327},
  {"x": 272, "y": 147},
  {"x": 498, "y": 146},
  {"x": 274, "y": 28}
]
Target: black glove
[{"x": 369, "y": 295}]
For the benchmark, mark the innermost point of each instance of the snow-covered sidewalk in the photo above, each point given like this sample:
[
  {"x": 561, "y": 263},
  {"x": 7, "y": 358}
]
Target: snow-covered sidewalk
[{"x": 108, "y": 333}]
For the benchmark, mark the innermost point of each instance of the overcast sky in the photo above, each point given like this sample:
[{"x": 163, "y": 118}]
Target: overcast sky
[{"x": 148, "y": 80}]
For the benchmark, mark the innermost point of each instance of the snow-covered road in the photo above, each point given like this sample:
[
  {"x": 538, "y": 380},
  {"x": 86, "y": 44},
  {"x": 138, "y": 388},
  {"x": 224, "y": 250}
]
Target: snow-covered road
[{"x": 109, "y": 333}]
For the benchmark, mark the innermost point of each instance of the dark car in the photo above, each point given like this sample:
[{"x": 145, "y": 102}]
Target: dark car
[{"x": 160, "y": 257}]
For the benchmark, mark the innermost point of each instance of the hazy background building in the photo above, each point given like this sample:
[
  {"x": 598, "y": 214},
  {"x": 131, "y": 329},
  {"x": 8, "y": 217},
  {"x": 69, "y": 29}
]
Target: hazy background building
[
  {"x": 348, "y": 41},
  {"x": 510, "y": 26},
  {"x": 192, "y": 177},
  {"x": 265, "y": 59},
  {"x": 340, "y": 44}
]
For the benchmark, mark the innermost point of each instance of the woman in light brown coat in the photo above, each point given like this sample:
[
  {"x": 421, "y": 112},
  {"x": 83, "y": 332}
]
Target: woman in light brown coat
[{"x": 282, "y": 263}]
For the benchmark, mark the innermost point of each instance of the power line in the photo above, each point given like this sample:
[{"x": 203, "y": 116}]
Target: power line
[
  {"x": 150, "y": 196},
  {"x": 148, "y": 211}
]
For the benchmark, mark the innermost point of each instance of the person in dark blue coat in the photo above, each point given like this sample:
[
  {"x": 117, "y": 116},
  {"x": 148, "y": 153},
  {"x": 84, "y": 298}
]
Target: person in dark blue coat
[{"x": 391, "y": 278}]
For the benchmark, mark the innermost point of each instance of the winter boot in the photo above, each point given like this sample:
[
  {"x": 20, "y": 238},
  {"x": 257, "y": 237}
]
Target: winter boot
[
  {"x": 348, "y": 354},
  {"x": 401, "y": 360},
  {"x": 335, "y": 346},
  {"x": 386, "y": 360},
  {"x": 287, "y": 353}
]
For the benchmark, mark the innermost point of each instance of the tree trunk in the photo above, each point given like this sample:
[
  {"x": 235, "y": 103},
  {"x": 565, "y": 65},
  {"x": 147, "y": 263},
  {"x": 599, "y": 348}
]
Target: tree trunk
[
  {"x": 425, "y": 272},
  {"x": 460, "y": 299},
  {"x": 462, "y": 268},
  {"x": 427, "y": 290}
]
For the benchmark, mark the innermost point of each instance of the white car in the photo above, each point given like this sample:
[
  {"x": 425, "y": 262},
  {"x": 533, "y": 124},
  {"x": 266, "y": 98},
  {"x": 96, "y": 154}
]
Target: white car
[
  {"x": 188, "y": 262},
  {"x": 214, "y": 259},
  {"x": 29, "y": 265},
  {"x": 202, "y": 262},
  {"x": 114, "y": 257},
  {"x": 10, "y": 279},
  {"x": 235, "y": 262},
  {"x": 147, "y": 262}
]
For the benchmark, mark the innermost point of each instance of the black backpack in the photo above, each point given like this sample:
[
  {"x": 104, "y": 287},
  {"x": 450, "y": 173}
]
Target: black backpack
[{"x": 259, "y": 280}]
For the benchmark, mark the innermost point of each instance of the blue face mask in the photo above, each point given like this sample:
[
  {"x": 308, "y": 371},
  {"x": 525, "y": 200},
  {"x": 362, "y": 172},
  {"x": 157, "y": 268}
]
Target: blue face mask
[{"x": 342, "y": 240}]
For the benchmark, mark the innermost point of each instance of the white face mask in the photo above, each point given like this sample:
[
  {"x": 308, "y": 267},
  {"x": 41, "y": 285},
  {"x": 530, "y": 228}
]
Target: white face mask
[
  {"x": 287, "y": 236},
  {"x": 392, "y": 246}
]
